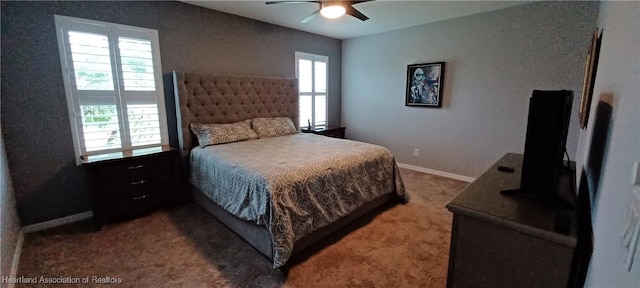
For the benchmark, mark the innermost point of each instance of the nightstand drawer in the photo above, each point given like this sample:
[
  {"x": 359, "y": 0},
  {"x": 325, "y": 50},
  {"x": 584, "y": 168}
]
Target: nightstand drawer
[
  {"x": 156, "y": 167},
  {"x": 134, "y": 204},
  {"x": 136, "y": 185},
  {"x": 132, "y": 169}
]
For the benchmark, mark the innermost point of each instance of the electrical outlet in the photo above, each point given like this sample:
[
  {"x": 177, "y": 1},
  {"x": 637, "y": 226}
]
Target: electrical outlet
[{"x": 416, "y": 152}]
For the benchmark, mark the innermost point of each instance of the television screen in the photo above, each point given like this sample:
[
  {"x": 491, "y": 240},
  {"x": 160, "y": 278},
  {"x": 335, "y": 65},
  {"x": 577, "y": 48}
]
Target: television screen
[{"x": 545, "y": 143}]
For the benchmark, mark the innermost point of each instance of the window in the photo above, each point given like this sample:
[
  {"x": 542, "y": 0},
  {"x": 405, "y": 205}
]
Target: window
[
  {"x": 113, "y": 82},
  {"x": 312, "y": 73}
]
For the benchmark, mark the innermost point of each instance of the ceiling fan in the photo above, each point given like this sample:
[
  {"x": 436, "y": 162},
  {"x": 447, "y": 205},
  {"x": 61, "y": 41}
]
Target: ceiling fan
[{"x": 330, "y": 9}]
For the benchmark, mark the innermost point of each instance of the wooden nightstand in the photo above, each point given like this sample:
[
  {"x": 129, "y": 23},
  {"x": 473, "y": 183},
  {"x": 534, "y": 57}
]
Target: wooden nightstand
[
  {"x": 331, "y": 131},
  {"x": 131, "y": 183}
]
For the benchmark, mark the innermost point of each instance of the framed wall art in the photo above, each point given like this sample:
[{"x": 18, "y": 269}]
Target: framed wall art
[
  {"x": 590, "y": 70},
  {"x": 424, "y": 84}
]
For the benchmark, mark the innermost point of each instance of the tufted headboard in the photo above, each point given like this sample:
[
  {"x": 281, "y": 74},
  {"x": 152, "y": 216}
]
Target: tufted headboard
[{"x": 207, "y": 98}]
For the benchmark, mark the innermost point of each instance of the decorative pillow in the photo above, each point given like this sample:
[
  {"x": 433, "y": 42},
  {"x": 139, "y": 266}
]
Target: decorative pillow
[
  {"x": 273, "y": 127},
  {"x": 212, "y": 134}
]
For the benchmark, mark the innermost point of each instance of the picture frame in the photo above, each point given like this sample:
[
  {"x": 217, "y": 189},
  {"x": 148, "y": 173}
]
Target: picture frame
[
  {"x": 590, "y": 70},
  {"x": 424, "y": 84}
]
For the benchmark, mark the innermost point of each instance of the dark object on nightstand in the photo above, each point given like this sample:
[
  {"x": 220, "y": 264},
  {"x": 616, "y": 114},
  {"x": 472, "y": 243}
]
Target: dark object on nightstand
[
  {"x": 506, "y": 169},
  {"x": 133, "y": 182},
  {"x": 330, "y": 131}
]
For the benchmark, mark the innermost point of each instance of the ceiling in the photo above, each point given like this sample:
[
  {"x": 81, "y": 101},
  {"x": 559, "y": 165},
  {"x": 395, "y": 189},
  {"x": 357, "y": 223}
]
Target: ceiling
[{"x": 385, "y": 15}]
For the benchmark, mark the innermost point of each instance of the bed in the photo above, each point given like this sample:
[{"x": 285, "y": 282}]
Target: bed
[{"x": 280, "y": 194}]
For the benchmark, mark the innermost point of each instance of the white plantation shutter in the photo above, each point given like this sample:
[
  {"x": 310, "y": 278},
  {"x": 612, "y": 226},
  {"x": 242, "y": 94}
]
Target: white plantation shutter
[
  {"x": 312, "y": 74},
  {"x": 137, "y": 64},
  {"x": 144, "y": 124},
  {"x": 90, "y": 57},
  {"x": 138, "y": 77},
  {"x": 91, "y": 61},
  {"x": 113, "y": 83}
]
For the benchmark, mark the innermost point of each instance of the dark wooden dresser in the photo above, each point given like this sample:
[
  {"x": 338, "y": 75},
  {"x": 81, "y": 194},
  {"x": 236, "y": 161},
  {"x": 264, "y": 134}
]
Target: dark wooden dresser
[
  {"x": 330, "y": 131},
  {"x": 131, "y": 183},
  {"x": 507, "y": 241}
]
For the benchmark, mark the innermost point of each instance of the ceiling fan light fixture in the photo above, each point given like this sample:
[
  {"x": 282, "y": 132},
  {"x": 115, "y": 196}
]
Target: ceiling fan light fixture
[{"x": 332, "y": 10}]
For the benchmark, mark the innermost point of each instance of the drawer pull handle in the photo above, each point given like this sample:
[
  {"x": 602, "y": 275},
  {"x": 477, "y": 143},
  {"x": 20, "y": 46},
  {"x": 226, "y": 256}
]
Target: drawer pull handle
[
  {"x": 140, "y": 197},
  {"x": 138, "y": 182},
  {"x": 136, "y": 167}
]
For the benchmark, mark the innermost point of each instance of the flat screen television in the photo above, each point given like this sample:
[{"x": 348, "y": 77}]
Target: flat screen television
[{"x": 545, "y": 144}]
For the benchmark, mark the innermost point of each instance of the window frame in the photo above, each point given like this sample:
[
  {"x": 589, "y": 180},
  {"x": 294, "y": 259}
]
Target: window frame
[
  {"x": 313, "y": 58},
  {"x": 122, "y": 97}
]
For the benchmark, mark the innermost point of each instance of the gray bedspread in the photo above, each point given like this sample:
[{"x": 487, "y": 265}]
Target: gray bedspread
[{"x": 294, "y": 184}]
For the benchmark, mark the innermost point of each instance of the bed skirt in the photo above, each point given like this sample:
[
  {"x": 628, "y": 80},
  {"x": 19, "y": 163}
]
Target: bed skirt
[{"x": 259, "y": 237}]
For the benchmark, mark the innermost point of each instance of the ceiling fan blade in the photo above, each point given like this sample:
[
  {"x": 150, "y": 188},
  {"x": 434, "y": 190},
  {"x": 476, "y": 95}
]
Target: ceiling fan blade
[
  {"x": 355, "y": 13},
  {"x": 280, "y": 2},
  {"x": 305, "y": 20}
]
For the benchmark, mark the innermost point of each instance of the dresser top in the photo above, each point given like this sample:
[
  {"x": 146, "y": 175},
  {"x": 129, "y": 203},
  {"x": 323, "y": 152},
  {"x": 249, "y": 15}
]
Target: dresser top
[
  {"x": 89, "y": 159},
  {"x": 482, "y": 200}
]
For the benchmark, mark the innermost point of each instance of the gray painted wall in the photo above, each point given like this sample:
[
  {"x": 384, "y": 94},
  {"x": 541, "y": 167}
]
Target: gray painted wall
[
  {"x": 618, "y": 83},
  {"x": 10, "y": 228},
  {"x": 35, "y": 122},
  {"x": 493, "y": 62}
]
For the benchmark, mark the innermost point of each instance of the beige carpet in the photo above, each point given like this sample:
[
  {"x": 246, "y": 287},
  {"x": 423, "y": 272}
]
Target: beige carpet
[{"x": 404, "y": 246}]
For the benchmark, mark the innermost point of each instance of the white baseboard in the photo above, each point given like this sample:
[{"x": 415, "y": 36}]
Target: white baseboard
[
  {"x": 57, "y": 222},
  {"x": 437, "y": 172},
  {"x": 16, "y": 258}
]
